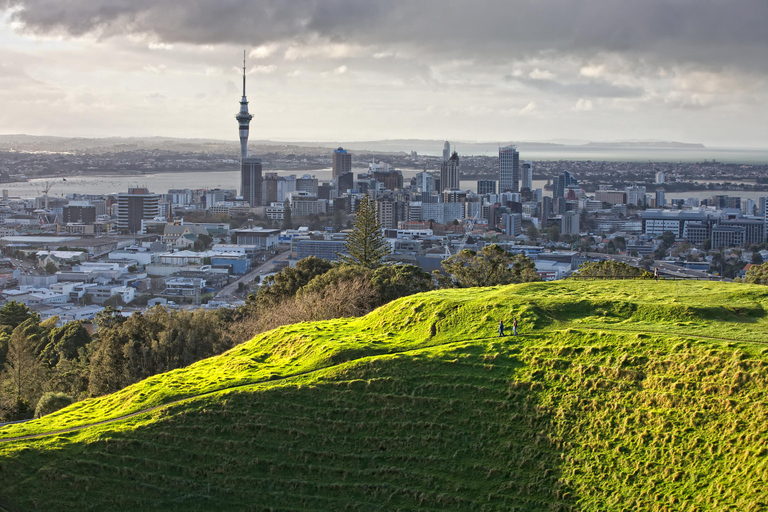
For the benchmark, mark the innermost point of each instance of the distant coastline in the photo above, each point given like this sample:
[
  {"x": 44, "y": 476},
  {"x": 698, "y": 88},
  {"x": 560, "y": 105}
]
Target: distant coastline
[{"x": 610, "y": 151}]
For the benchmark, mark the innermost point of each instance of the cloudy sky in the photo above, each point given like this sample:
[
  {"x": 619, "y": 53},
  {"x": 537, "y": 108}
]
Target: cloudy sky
[{"x": 484, "y": 70}]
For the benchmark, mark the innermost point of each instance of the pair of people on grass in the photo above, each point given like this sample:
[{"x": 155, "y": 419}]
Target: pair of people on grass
[{"x": 514, "y": 328}]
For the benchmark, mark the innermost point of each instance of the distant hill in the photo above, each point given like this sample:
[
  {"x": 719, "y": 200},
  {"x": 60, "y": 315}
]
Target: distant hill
[
  {"x": 646, "y": 144},
  {"x": 30, "y": 143},
  {"x": 617, "y": 395}
]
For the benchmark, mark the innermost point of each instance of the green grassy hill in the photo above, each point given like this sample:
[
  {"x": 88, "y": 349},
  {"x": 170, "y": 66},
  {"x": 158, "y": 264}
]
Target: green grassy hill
[{"x": 617, "y": 395}]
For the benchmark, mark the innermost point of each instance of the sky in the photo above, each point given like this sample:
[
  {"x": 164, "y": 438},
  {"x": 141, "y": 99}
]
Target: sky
[{"x": 355, "y": 70}]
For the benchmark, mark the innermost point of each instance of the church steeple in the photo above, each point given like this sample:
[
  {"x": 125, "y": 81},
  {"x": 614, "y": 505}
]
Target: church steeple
[{"x": 243, "y": 118}]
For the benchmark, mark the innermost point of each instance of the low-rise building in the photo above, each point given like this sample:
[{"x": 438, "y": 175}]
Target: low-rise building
[
  {"x": 71, "y": 314},
  {"x": 184, "y": 286},
  {"x": 59, "y": 258}
]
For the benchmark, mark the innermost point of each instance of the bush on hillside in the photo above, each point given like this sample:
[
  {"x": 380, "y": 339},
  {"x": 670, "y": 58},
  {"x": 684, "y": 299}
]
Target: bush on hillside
[
  {"x": 395, "y": 281},
  {"x": 611, "y": 269},
  {"x": 345, "y": 298},
  {"x": 338, "y": 274},
  {"x": 390, "y": 281},
  {"x": 491, "y": 266},
  {"x": 288, "y": 281},
  {"x": 757, "y": 274},
  {"x": 52, "y": 402}
]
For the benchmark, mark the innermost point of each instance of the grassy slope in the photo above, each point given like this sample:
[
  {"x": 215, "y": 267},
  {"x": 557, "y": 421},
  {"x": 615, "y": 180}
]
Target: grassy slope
[{"x": 620, "y": 395}]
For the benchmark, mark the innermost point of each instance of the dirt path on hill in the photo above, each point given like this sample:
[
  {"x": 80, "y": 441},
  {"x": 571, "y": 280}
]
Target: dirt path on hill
[
  {"x": 667, "y": 333},
  {"x": 229, "y": 388}
]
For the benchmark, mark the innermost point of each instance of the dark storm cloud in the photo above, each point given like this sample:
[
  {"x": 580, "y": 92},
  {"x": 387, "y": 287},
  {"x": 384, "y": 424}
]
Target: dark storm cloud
[{"x": 708, "y": 32}]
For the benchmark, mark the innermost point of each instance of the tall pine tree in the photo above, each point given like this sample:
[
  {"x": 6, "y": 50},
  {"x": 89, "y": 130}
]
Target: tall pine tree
[{"x": 365, "y": 244}]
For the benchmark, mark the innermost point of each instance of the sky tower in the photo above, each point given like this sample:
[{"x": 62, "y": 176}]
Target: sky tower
[{"x": 243, "y": 118}]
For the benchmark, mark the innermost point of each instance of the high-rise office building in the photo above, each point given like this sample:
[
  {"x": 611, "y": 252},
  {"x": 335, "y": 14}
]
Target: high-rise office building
[
  {"x": 526, "y": 172},
  {"x": 345, "y": 181},
  {"x": 449, "y": 172},
  {"x": 446, "y": 151},
  {"x": 342, "y": 162},
  {"x": 509, "y": 169},
  {"x": 269, "y": 187},
  {"x": 307, "y": 183},
  {"x": 79, "y": 212},
  {"x": 425, "y": 182},
  {"x": 545, "y": 211},
  {"x": 486, "y": 187},
  {"x": 561, "y": 183},
  {"x": 569, "y": 224},
  {"x": 250, "y": 181},
  {"x": 250, "y": 168},
  {"x": 134, "y": 207},
  {"x": 764, "y": 209}
]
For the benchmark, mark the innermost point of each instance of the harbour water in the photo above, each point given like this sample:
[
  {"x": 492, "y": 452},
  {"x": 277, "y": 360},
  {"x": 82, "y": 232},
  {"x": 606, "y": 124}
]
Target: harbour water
[{"x": 160, "y": 183}]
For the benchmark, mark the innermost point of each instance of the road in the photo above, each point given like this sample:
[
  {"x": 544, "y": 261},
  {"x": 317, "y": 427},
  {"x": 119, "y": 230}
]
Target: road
[{"x": 228, "y": 291}]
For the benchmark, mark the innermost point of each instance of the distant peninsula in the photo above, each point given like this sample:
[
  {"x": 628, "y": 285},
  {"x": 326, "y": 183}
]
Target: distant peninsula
[{"x": 652, "y": 144}]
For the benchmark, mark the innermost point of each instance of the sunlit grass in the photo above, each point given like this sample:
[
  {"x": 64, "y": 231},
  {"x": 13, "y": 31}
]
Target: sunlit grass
[{"x": 628, "y": 395}]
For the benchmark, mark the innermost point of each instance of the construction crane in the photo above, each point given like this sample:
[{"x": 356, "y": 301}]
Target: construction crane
[
  {"x": 47, "y": 185},
  {"x": 469, "y": 225}
]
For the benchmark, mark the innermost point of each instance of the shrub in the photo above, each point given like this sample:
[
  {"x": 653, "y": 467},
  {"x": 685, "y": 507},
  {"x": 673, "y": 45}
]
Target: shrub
[
  {"x": 611, "y": 269},
  {"x": 52, "y": 402},
  {"x": 757, "y": 274}
]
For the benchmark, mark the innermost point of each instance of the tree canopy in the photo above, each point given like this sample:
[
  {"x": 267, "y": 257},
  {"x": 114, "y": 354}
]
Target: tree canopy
[
  {"x": 289, "y": 280},
  {"x": 491, "y": 266},
  {"x": 611, "y": 269}
]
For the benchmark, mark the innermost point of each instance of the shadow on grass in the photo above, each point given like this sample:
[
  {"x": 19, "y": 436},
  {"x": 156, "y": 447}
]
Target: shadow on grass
[{"x": 461, "y": 427}]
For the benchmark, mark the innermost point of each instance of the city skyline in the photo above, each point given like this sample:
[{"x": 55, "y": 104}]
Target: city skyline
[{"x": 662, "y": 70}]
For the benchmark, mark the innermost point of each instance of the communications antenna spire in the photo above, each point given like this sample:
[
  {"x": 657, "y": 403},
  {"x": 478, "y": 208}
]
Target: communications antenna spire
[{"x": 243, "y": 73}]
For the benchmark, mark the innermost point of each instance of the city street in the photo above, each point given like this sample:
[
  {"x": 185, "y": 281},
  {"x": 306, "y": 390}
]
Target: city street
[{"x": 268, "y": 266}]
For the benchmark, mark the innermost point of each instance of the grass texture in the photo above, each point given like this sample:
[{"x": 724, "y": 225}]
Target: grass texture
[{"x": 617, "y": 395}]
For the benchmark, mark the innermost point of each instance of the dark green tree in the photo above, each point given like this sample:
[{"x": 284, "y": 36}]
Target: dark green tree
[
  {"x": 114, "y": 301},
  {"x": 668, "y": 238},
  {"x": 287, "y": 222},
  {"x": 490, "y": 267},
  {"x": 107, "y": 363},
  {"x": 108, "y": 318},
  {"x": 65, "y": 342},
  {"x": 395, "y": 281},
  {"x": 203, "y": 242},
  {"x": 288, "y": 281},
  {"x": 23, "y": 371},
  {"x": 338, "y": 219},
  {"x": 365, "y": 244},
  {"x": 13, "y": 314},
  {"x": 553, "y": 232},
  {"x": 51, "y": 268}
]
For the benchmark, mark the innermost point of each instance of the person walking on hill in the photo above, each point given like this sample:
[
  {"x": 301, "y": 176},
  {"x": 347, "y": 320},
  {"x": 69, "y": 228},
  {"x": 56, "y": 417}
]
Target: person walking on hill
[
  {"x": 656, "y": 274},
  {"x": 514, "y": 327},
  {"x": 501, "y": 328}
]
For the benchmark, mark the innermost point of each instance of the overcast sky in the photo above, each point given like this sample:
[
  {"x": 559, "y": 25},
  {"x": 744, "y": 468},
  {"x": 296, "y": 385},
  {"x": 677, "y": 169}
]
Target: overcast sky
[{"x": 480, "y": 70}]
